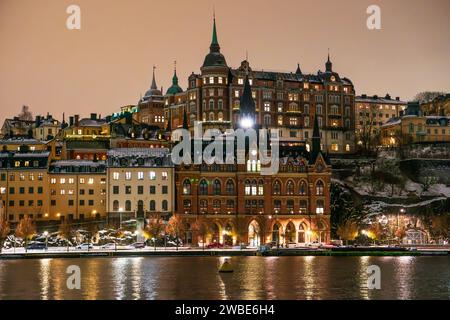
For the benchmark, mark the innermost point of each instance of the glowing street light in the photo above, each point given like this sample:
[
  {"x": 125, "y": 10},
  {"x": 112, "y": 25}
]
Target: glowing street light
[{"x": 247, "y": 123}]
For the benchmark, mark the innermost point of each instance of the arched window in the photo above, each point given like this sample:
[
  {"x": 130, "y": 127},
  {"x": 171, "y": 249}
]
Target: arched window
[
  {"x": 277, "y": 205},
  {"x": 290, "y": 187},
  {"x": 319, "y": 188},
  {"x": 254, "y": 188},
  {"x": 220, "y": 104},
  {"x": 267, "y": 119},
  {"x": 152, "y": 205},
  {"x": 187, "y": 203},
  {"x": 204, "y": 116},
  {"x": 165, "y": 205},
  {"x": 186, "y": 187},
  {"x": 211, "y": 104},
  {"x": 220, "y": 116},
  {"x": 128, "y": 205},
  {"x": 303, "y": 188},
  {"x": 203, "y": 188},
  {"x": 211, "y": 116},
  {"x": 247, "y": 188},
  {"x": 347, "y": 123},
  {"x": 203, "y": 205},
  {"x": 276, "y": 187},
  {"x": 217, "y": 188},
  {"x": 230, "y": 187},
  {"x": 319, "y": 109},
  {"x": 140, "y": 206},
  {"x": 116, "y": 205},
  {"x": 320, "y": 207},
  {"x": 216, "y": 204},
  {"x": 230, "y": 204},
  {"x": 260, "y": 187}
]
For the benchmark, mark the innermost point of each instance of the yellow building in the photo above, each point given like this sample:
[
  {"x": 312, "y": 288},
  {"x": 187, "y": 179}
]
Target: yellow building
[
  {"x": 24, "y": 184},
  {"x": 372, "y": 112},
  {"x": 412, "y": 129},
  {"x": 77, "y": 190},
  {"x": 439, "y": 106},
  {"x": 17, "y": 144}
]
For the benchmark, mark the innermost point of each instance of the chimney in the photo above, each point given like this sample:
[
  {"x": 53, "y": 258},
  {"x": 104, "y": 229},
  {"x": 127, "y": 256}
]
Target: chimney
[
  {"x": 77, "y": 120},
  {"x": 364, "y": 96},
  {"x": 388, "y": 97},
  {"x": 38, "y": 121},
  {"x": 397, "y": 98},
  {"x": 375, "y": 97},
  {"x": 93, "y": 116},
  {"x": 71, "y": 121}
]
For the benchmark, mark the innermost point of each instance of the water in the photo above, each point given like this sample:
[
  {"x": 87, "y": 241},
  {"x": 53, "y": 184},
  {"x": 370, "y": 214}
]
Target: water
[{"x": 254, "y": 278}]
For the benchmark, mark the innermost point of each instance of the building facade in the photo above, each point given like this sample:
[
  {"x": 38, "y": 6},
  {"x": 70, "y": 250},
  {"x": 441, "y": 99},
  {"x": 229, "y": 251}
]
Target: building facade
[
  {"x": 285, "y": 101},
  {"x": 140, "y": 183},
  {"x": 77, "y": 190}
]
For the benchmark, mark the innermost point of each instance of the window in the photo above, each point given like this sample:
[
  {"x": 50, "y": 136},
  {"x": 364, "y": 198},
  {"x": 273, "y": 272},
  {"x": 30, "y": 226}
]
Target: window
[
  {"x": 128, "y": 205},
  {"x": 211, "y": 104},
  {"x": 165, "y": 190},
  {"x": 127, "y": 175},
  {"x": 186, "y": 187},
  {"x": 152, "y": 190},
  {"x": 115, "y": 205},
  {"x": 290, "y": 206},
  {"x": 165, "y": 205},
  {"x": 187, "y": 203},
  {"x": 261, "y": 188},
  {"x": 140, "y": 175},
  {"x": 319, "y": 188},
  {"x": 115, "y": 189},
  {"x": 127, "y": 189},
  {"x": 267, "y": 106},
  {"x": 71, "y": 180},
  {"x": 247, "y": 188},
  {"x": 91, "y": 181},
  {"x": 334, "y": 147},
  {"x": 230, "y": 187},
  {"x": 293, "y": 121},
  {"x": 319, "y": 206},
  {"x": 290, "y": 188},
  {"x": 220, "y": 104},
  {"x": 140, "y": 189},
  {"x": 303, "y": 188},
  {"x": 276, "y": 187},
  {"x": 267, "y": 120},
  {"x": 152, "y": 175},
  {"x": 211, "y": 80},
  {"x": 217, "y": 188},
  {"x": 203, "y": 188},
  {"x": 319, "y": 109},
  {"x": 82, "y": 180},
  {"x": 306, "y": 120},
  {"x": 303, "y": 207},
  {"x": 277, "y": 205},
  {"x": 152, "y": 205}
]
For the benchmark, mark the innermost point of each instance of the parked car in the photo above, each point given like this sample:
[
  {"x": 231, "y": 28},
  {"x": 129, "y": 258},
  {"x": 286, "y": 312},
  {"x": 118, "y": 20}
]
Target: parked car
[
  {"x": 109, "y": 246},
  {"x": 85, "y": 246},
  {"x": 137, "y": 245},
  {"x": 215, "y": 245},
  {"x": 36, "y": 246},
  {"x": 314, "y": 244}
]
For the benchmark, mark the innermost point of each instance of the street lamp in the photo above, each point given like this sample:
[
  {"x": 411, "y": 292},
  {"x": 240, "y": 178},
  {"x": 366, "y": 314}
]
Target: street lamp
[{"x": 46, "y": 240}]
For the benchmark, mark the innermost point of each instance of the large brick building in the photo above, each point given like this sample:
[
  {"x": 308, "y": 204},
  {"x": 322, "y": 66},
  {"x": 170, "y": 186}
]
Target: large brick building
[
  {"x": 284, "y": 101},
  {"x": 236, "y": 203}
]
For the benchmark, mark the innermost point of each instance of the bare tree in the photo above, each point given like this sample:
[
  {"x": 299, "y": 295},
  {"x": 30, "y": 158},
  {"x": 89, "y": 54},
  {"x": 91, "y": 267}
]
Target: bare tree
[
  {"x": 25, "y": 114},
  {"x": 202, "y": 229},
  {"x": 65, "y": 232},
  {"x": 427, "y": 96},
  {"x": 25, "y": 230},
  {"x": 4, "y": 231}
]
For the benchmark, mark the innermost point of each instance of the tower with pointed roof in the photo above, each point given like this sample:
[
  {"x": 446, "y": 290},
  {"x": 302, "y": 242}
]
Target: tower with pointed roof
[
  {"x": 175, "y": 88},
  {"x": 247, "y": 109},
  {"x": 151, "y": 106},
  {"x": 328, "y": 64}
]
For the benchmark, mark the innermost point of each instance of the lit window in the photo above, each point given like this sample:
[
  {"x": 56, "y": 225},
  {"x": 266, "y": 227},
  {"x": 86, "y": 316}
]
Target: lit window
[
  {"x": 63, "y": 192},
  {"x": 140, "y": 175},
  {"x": 164, "y": 175},
  {"x": 152, "y": 175},
  {"x": 91, "y": 181},
  {"x": 17, "y": 164},
  {"x": 128, "y": 175},
  {"x": 220, "y": 79},
  {"x": 211, "y": 79},
  {"x": 236, "y": 93},
  {"x": 71, "y": 180},
  {"x": 62, "y": 180},
  {"x": 334, "y": 147},
  {"x": 53, "y": 181},
  {"x": 116, "y": 176},
  {"x": 82, "y": 180},
  {"x": 347, "y": 147},
  {"x": 240, "y": 81}
]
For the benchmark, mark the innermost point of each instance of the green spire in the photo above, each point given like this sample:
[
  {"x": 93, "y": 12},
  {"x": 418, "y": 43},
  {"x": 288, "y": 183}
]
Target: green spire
[{"x": 214, "y": 35}]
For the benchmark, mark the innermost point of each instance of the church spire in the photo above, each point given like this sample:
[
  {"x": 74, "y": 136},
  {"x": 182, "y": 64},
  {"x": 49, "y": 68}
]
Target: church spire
[
  {"x": 315, "y": 140},
  {"x": 154, "y": 87},
  {"x": 214, "y": 47},
  {"x": 328, "y": 64},
  {"x": 298, "y": 71}
]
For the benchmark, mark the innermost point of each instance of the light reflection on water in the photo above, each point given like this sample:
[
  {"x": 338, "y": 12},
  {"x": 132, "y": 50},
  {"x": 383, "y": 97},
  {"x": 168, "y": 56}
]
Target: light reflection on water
[{"x": 253, "y": 278}]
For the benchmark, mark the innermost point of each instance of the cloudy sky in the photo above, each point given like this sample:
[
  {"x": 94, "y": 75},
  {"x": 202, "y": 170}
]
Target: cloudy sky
[{"x": 108, "y": 63}]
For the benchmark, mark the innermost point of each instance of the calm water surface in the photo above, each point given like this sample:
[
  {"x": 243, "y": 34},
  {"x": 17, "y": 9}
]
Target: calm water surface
[{"x": 254, "y": 278}]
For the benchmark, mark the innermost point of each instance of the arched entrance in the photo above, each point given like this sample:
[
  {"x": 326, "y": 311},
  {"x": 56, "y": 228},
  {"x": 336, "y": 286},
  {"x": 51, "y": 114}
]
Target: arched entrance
[
  {"x": 228, "y": 235},
  {"x": 289, "y": 234},
  {"x": 215, "y": 233},
  {"x": 254, "y": 236},
  {"x": 302, "y": 233},
  {"x": 276, "y": 230},
  {"x": 321, "y": 232}
]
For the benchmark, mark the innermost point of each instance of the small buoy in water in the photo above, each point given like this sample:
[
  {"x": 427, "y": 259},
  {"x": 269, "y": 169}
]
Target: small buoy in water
[{"x": 226, "y": 267}]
